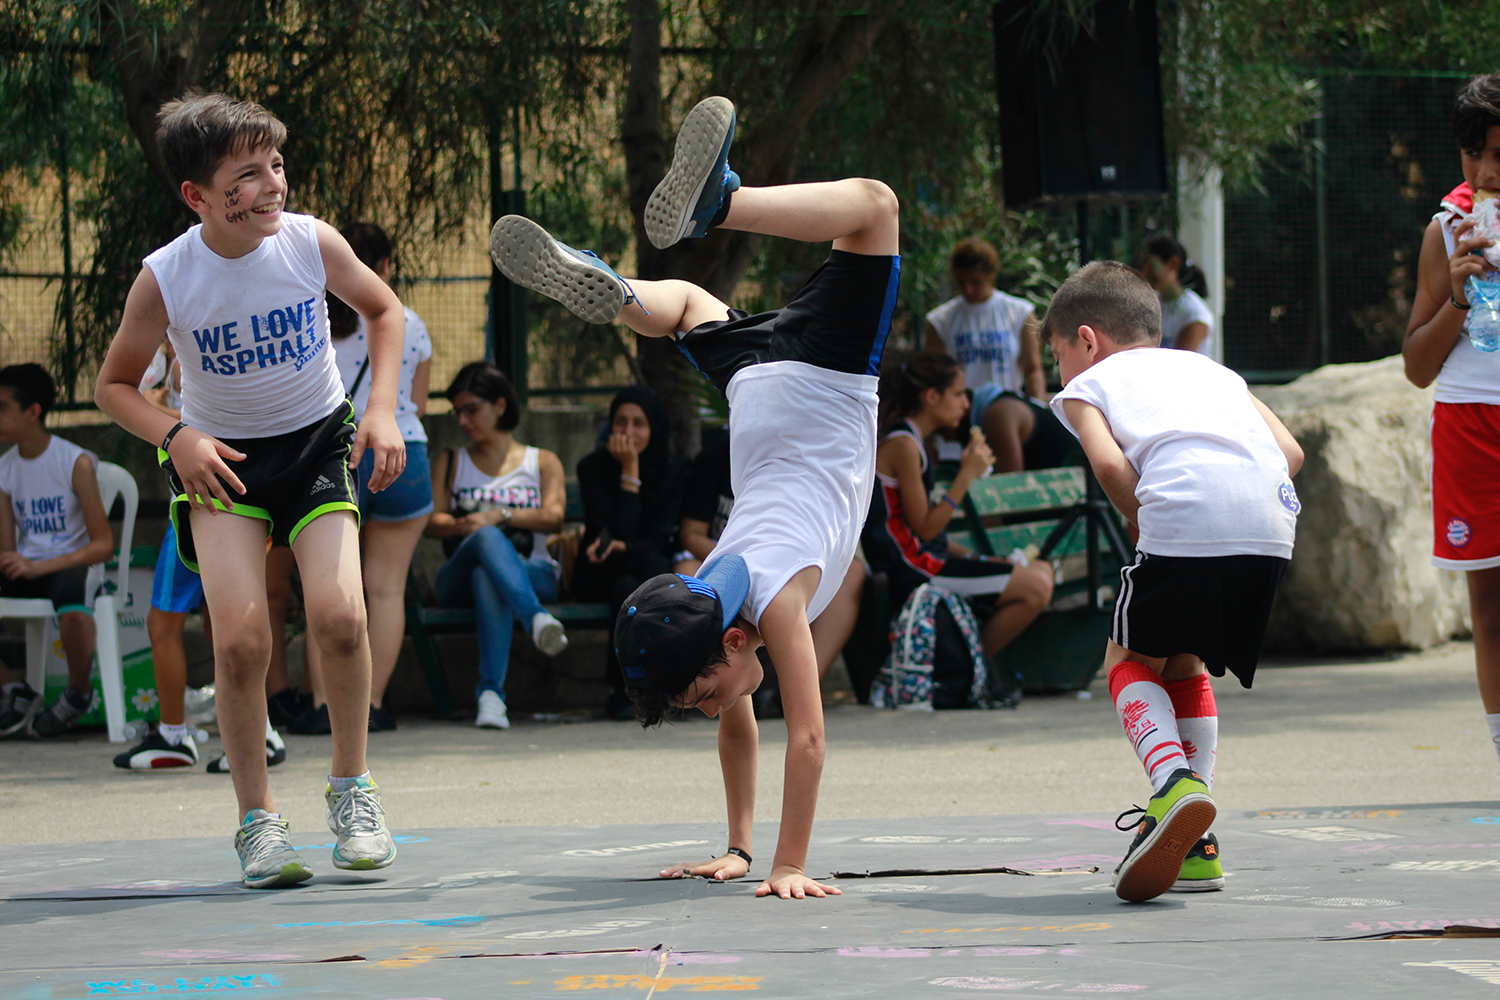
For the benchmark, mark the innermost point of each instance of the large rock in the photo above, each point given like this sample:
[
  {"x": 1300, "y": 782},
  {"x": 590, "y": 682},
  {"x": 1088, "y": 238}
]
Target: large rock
[{"x": 1362, "y": 576}]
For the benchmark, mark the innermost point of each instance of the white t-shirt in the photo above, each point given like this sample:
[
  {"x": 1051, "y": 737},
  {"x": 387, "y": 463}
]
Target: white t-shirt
[
  {"x": 985, "y": 338},
  {"x": 1213, "y": 480},
  {"x": 521, "y": 487},
  {"x": 1182, "y": 312},
  {"x": 251, "y": 333},
  {"x": 48, "y": 513},
  {"x": 351, "y": 352},
  {"x": 1468, "y": 375},
  {"x": 802, "y": 465}
]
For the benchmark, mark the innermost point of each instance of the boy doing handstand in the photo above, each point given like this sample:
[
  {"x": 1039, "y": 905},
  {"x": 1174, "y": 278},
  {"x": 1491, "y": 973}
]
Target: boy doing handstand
[
  {"x": 265, "y": 446},
  {"x": 801, "y": 384},
  {"x": 1203, "y": 470}
]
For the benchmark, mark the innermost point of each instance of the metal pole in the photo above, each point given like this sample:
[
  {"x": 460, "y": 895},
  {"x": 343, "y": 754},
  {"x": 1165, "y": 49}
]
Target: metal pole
[
  {"x": 1320, "y": 212},
  {"x": 65, "y": 304}
]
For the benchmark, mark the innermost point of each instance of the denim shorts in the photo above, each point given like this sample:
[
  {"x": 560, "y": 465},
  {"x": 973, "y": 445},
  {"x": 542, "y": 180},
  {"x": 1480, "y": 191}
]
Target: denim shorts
[{"x": 408, "y": 498}]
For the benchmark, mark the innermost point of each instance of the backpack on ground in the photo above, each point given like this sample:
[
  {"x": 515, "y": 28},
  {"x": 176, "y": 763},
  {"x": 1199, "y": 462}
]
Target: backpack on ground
[{"x": 937, "y": 660}]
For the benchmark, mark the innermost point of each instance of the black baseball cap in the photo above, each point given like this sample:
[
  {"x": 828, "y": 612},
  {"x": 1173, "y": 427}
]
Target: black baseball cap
[{"x": 674, "y": 624}]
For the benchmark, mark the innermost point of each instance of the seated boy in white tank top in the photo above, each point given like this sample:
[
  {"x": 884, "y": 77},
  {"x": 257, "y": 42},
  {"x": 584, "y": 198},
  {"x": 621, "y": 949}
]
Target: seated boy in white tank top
[
  {"x": 266, "y": 437},
  {"x": 802, "y": 392}
]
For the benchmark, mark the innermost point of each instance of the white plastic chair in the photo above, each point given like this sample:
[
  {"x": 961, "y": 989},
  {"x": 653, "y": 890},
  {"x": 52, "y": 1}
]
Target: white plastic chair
[{"x": 113, "y": 482}]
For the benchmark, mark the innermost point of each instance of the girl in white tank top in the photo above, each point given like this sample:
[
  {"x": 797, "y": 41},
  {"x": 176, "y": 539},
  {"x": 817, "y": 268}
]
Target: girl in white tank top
[{"x": 494, "y": 529}]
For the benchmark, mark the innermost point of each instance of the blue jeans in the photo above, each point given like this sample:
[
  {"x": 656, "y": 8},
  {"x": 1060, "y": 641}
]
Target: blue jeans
[{"x": 485, "y": 573}]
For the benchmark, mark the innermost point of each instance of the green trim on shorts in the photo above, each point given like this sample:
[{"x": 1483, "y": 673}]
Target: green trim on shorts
[
  {"x": 176, "y": 504},
  {"x": 70, "y": 608},
  {"x": 318, "y": 512}
]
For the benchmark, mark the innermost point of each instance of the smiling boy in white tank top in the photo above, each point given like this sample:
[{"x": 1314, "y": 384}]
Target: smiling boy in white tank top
[{"x": 265, "y": 445}]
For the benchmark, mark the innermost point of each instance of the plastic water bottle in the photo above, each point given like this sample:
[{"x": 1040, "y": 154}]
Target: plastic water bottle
[
  {"x": 1484, "y": 311},
  {"x": 136, "y": 729},
  {"x": 199, "y": 703}
]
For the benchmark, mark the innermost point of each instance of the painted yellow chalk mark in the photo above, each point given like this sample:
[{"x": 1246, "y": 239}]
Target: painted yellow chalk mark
[{"x": 654, "y": 984}]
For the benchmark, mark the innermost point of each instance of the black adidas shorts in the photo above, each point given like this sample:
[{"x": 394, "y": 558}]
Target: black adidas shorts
[
  {"x": 839, "y": 321},
  {"x": 289, "y": 479},
  {"x": 1215, "y": 608}
]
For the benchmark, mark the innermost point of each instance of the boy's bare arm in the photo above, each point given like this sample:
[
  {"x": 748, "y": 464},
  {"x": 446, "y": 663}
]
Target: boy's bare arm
[
  {"x": 1284, "y": 440},
  {"x": 739, "y": 743},
  {"x": 788, "y": 638},
  {"x": 197, "y": 457},
  {"x": 1033, "y": 375},
  {"x": 1436, "y": 324},
  {"x": 1113, "y": 470},
  {"x": 385, "y": 333}
]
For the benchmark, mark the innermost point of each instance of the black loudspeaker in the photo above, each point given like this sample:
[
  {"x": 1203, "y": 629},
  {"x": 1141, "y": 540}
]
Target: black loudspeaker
[{"x": 1086, "y": 120}]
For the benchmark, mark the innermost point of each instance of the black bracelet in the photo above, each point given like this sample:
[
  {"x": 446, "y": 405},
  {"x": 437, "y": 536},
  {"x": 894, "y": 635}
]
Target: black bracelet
[
  {"x": 1459, "y": 305},
  {"x": 166, "y": 442},
  {"x": 740, "y": 854}
]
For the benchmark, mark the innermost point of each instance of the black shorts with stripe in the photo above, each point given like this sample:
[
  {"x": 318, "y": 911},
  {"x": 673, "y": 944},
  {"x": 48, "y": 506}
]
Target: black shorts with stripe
[
  {"x": 1215, "y": 608},
  {"x": 838, "y": 321},
  {"x": 289, "y": 480}
]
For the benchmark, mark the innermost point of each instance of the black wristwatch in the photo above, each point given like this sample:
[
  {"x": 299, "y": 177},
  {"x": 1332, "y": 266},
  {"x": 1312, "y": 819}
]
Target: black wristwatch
[
  {"x": 1459, "y": 305},
  {"x": 740, "y": 854}
]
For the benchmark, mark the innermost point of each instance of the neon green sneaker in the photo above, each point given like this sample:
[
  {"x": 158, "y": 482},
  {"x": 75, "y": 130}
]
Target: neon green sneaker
[
  {"x": 1170, "y": 826},
  {"x": 1201, "y": 870}
]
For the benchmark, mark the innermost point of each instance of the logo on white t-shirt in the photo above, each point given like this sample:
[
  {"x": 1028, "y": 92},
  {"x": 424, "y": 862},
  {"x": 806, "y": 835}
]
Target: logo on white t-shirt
[
  {"x": 1458, "y": 532},
  {"x": 1288, "y": 496}
]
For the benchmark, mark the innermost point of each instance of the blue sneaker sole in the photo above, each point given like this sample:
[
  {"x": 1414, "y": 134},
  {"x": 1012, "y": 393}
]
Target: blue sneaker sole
[
  {"x": 528, "y": 255},
  {"x": 1153, "y": 867},
  {"x": 700, "y": 144}
]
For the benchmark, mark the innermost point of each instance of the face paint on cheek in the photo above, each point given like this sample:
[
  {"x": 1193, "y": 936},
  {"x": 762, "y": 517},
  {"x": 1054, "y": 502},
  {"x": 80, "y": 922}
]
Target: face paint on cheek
[
  {"x": 232, "y": 196},
  {"x": 240, "y": 216}
]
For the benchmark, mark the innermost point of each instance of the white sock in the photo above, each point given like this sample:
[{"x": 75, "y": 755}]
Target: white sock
[
  {"x": 339, "y": 784},
  {"x": 1197, "y": 723},
  {"x": 1493, "y": 721},
  {"x": 173, "y": 734},
  {"x": 1145, "y": 710}
]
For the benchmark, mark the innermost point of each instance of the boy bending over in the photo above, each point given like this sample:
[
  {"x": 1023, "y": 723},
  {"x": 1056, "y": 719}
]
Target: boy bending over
[
  {"x": 1203, "y": 470},
  {"x": 265, "y": 446},
  {"x": 801, "y": 384}
]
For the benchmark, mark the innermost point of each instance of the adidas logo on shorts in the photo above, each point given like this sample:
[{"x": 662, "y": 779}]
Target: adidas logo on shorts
[{"x": 323, "y": 483}]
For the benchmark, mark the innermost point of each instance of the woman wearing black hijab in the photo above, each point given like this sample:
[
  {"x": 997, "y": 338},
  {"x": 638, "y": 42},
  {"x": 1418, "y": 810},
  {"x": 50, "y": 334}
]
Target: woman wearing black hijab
[{"x": 632, "y": 493}]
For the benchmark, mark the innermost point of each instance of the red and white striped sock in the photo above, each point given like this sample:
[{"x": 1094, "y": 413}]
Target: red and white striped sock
[
  {"x": 1197, "y": 723},
  {"x": 1145, "y": 710}
]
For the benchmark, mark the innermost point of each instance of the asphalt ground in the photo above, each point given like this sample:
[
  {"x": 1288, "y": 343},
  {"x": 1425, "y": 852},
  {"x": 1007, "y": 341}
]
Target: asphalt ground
[{"x": 1312, "y": 733}]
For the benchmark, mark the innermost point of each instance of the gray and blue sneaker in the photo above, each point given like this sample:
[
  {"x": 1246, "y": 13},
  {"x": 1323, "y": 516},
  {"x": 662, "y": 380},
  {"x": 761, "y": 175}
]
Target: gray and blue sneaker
[
  {"x": 266, "y": 854},
  {"x": 528, "y": 255},
  {"x": 699, "y": 179},
  {"x": 356, "y": 816}
]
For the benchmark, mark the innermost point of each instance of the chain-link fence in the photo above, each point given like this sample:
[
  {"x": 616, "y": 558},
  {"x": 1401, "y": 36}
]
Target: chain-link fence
[{"x": 1321, "y": 266}]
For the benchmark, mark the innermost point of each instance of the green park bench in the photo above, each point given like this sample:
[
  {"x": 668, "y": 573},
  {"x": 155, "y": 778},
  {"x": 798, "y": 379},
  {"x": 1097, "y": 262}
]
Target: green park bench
[
  {"x": 1062, "y": 516},
  {"x": 424, "y": 623},
  {"x": 1052, "y": 514}
]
